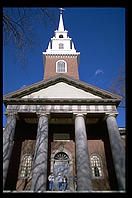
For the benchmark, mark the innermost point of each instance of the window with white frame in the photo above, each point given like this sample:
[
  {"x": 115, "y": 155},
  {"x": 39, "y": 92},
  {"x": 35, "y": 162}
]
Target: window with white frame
[
  {"x": 26, "y": 166},
  {"x": 96, "y": 166},
  {"x": 61, "y": 46},
  {"x": 61, "y": 66}
]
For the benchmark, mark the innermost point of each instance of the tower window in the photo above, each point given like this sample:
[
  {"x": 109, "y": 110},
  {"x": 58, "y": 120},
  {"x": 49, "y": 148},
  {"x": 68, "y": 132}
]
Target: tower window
[
  {"x": 61, "y": 46},
  {"x": 26, "y": 166},
  {"x": 96, "y": 166},
  {"x": 60, "y": 36},
  {"x": 61, "y": 66}
]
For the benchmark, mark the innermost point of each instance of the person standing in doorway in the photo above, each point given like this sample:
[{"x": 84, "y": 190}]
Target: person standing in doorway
[
  {"x": 51, "y": 181},
  {"x": 75, "y": 182},
  {"x": 59, "y": 182},
  {"x": 64, "y": 183}
]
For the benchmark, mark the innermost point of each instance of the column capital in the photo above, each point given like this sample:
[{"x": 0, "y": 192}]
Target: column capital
[
  {"x": 110, "y": 115},
  {"x": 10, "y": 113},
  {"x": 76, "y": 114},
  {"x": 43, "y": 114},
  {"x": 7, "y": 114}
]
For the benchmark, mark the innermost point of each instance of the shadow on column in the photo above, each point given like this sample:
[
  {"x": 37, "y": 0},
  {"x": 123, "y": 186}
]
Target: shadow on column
[
  {"x": 109, "y": 160},
  {"x": 12, "y": 175}
]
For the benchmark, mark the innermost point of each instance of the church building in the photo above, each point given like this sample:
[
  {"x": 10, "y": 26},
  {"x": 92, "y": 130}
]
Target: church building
[{"x": 62, "y": 125}]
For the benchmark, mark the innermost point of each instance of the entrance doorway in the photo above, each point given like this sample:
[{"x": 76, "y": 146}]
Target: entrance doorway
[
  {"x": 61, "y": 165},
  {"x": 61, "y": 162}
]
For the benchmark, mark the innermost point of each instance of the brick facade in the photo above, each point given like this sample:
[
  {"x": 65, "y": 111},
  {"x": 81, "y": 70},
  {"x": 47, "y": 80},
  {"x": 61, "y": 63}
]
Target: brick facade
[{"x": 50, "y": 66}]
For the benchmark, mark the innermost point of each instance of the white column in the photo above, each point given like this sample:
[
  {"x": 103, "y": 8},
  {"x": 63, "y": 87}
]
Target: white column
[
  {"x": 39, "y": 174},
  {"x": 82, "y": 157},
  {"x": 8, "y": 136},
  {"x": 118, "y": 151}
]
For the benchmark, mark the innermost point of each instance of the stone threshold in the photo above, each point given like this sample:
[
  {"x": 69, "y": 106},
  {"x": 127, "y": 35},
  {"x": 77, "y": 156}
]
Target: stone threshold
[{"x": 67, "y": 191}]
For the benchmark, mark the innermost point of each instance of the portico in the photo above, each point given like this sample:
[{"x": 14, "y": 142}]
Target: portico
[{"x": 79, "y": 116}]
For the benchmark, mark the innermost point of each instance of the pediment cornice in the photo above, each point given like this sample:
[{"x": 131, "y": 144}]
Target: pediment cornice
[{"x": 105, "y": 95}]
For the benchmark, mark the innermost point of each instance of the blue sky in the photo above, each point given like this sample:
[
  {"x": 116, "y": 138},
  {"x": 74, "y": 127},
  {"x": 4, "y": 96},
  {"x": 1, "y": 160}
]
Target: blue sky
[{"x": 98, "y": 34}]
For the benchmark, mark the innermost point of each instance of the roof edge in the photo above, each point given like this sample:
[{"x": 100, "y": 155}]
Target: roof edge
[
  {"x": 46, "y": 101},
  {"x": 62, "y": 78}
]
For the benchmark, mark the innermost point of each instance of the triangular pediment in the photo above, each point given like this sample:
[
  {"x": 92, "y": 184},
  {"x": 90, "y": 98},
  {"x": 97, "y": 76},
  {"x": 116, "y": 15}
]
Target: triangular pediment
[
  {"x": 61, "y": 90},
  {"x": 61, "y": 87}
]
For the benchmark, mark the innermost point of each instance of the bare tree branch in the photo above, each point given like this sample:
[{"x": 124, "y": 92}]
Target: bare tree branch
[
  {"x": 18, "y": 26},
  {"x": 118, "y": 85}
]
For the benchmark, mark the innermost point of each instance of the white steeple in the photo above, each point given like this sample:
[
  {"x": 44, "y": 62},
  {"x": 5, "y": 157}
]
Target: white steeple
[
  {"x": 61, "y": 53},
  {"x": 61, "y": 26},
  {"x": 61, "y": 43}
]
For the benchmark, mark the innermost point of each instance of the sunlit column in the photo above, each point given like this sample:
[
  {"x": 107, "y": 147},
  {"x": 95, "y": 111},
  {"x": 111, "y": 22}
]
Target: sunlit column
[
  {"x": 39, "y": 173},
  {"x": 8, "y": 136},
  {"x": 82, "y": 157},
  {"x": 118, "y": 152}
]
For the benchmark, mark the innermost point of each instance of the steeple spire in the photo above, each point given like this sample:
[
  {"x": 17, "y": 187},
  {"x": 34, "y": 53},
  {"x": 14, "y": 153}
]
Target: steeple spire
[
  {"x": 61, "y": 51},
  {"x": 61, "y": 26}
]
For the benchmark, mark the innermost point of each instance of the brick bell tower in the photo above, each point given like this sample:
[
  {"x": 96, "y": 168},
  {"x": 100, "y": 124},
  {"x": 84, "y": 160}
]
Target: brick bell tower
[{"x": 61, "y": 56}]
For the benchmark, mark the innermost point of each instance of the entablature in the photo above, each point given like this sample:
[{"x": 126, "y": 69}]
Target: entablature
[
  {"x": 69, "y": 101},
  {"x": 55, "y": 108}
]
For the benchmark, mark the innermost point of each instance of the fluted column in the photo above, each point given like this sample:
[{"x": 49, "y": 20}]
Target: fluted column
[
  {"x": 118, "y": 151},
  {"x": 8, "y": 136},
  {"x": 39, "y": 173},
  {"x": 82, "y": 157}
]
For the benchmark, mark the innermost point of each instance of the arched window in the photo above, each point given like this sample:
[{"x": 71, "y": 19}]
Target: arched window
[
  {"x": 61, "y": 66},
  {"x": 96, "y": 166},
  {"x": 61, "y": 46},
  {"x": 60, "y": 36},
  {"x": 26, "y": 166},
  {"x": 61, "y": 156}
]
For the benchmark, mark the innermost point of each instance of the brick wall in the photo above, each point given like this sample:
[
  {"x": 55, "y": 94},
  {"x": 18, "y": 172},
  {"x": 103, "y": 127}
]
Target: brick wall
[
  {"x": 97, "y": 147},
  {"x": 28, "y": 147},
  {"x": 50, "y": 67}
]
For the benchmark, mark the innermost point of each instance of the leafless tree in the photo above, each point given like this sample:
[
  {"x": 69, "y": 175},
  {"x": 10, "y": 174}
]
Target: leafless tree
[
  {"x": 118, "y": 85},
  {"x": 18, "y": 27}
]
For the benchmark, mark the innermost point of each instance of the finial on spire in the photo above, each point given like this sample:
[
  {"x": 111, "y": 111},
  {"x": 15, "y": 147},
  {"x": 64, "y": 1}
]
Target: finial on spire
[
  {"x": 61, "y": 9},
  {"x": 61, "y": 26}
]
